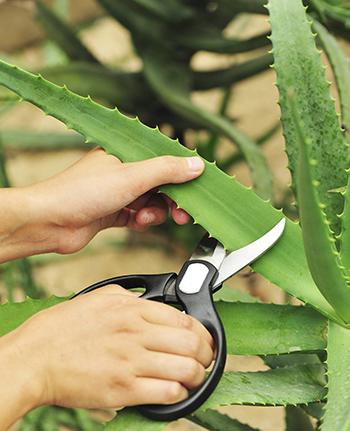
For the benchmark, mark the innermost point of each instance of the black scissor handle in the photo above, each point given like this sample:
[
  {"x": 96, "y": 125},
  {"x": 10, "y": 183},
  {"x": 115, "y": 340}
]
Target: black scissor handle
[
  {"x": 201, "y": 306},
  {"x": 153, "y": 283}
]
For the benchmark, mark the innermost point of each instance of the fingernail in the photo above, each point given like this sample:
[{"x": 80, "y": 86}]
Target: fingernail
[
  {"x": 195, "y": 164},
  {"x": 148, "y": 218}
]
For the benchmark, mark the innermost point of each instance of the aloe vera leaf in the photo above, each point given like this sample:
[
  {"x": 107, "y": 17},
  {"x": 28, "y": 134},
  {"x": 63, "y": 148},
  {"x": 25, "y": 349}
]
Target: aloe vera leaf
[
  {"x": 263, "y": 329},
  {"x": 230, "y": 75},
  {"x": 238, "y": 156},
  {"x": 131, "y": 420},
  {"x": 229, "y": 211},
  {"x": 213, "y": 420},
  {"x": 127, "y": 90},
  {"x": 171, "y": 11},
  {"x": 298, "y": 66},
  {"x": 297, "y": 420},
  {"x": 134, "y": 19},
  {"x": 251, "y": 329},
  {"x": 204, "y": 40},
  {"x": 14, "y": 314},
  {"x": 37, "y": 141},
  {"x": 229, "y": 294},
  {"x": 321, "y": 253},
  {"x": 341, "y": 70},
  {"x": 62, "y": 34},
  {"x": 168, "y": 80},
  {"x": 283, "y": 386},
  {"x": 336, "y": 411},
  {"x": 340, "y": 66},
  {"x": 249, "y": 6}
]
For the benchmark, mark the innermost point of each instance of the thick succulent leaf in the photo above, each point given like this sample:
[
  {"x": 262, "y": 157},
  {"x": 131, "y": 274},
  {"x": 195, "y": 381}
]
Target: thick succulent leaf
[
  {"x": 132, "y": 420},
  {"x": 341, "y": 70},
  {"x": 249, "y": 6},
  {"x": 230, "y": 75},
  {"x": 170, "y": 80},
  {"x": 127, "y": 90},
  {"x": 337, "y": 413},
  {"x": 297, "y": 420},
  {"x": 172, "y": 11},
  {"x": 37, "y": 141},
  {"x": 14, "y": 314},
  {"x": 230, "y": 212},
  {"x": 263, "y": 329},
  {"x": 298, "y": 66},
  {"x": 321, "y": 253},
  {"x": 131, "y": 16},
  {"x": 283, "y": 386},
  {"x": 62, "y": 35},
  {"x": 212, "y": 420},
  {"x": 202, "y": 39}
]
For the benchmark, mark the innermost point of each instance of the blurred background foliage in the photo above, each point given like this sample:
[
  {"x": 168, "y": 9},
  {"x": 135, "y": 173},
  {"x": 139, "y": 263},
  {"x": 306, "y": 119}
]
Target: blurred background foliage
[{"x": 198, "y": 70}]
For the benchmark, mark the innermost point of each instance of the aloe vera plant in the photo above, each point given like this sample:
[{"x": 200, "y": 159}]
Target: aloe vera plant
[{"x": 306, "y": 347}]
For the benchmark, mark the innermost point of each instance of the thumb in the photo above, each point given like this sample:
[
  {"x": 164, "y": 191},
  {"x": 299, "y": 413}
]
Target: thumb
[{"x": 148, "y": 174}]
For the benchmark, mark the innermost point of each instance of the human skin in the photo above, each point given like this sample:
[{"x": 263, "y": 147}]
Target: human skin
[{"x": 108, "y": 348}]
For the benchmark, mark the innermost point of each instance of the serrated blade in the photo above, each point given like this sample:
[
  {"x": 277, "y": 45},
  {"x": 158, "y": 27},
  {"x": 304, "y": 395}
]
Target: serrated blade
[{"x": 238, "y": 259}]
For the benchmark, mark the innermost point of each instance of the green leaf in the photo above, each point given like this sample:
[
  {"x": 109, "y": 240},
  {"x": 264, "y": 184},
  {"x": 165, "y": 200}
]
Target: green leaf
[
  {"x": 322, "y": 256},
  {"x": 282, "y": 386},
  {"x": 341, "y": 70},
  {"x": 171, "y": 11},
  {"x": 297, "y": 420},
  {"x": 38, "y": 141},
  {"x": 127, "y": 90},
  {"x": 337, "y": 413},
  {"x": 170, "y": 80},
  {"x": 263, "y": 329},
  {"x": 62, "y": 35},
  {"x": 229, "y": 294},
  {"x": 211, "y": 199},
  {"x": 298, "y": 66},
  {"x": 340, "y": 67},
  {"x": 14, "y": 314},
  {"x": 206, "y": 80},
  {"x": 215, "y": 421},
  {"x": 203, "y": 39},
  {"x": 131, "y": 420}
]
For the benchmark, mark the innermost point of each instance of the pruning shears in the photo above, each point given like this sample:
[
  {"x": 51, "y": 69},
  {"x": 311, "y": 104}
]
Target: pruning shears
[{"x": 192, "y": 289}]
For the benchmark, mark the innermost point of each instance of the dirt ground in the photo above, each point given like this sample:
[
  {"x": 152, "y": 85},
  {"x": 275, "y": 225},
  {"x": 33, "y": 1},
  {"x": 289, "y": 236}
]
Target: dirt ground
[{"x": 254, "y": 105}]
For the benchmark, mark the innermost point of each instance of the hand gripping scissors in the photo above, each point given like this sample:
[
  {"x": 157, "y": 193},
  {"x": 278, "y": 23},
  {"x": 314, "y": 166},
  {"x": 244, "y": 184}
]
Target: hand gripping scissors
[{"x": 200, "y": 276}]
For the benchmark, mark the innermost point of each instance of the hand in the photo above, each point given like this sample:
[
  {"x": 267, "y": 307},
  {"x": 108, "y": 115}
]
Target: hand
[
  {"x": 99, "y": 192},
  {"x": 109, "y": 348},
  {"x": 63, "y": 213}
]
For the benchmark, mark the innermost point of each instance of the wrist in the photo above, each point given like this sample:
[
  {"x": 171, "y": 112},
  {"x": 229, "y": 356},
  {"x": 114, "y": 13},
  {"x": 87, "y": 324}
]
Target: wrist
[
  {"x": 24, "y": 230},
  {"x": 21, "y": 389}
]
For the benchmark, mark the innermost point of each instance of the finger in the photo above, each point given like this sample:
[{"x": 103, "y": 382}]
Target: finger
[
  {"x": 141, "y": 177},
  {"x": 179, "y": 215},
  {"x": 156, "y": 391},
  {"x": 112, "y": 289},
  {"x": 162, "y": 314},
  {"x": 155, "y": 212},
  {"x": 184, "y": 370},
  {"x": 178, "y": 342}
]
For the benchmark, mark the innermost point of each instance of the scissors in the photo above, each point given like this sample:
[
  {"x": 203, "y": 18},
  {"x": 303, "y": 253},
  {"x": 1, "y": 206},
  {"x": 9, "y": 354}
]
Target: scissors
[{"x": 200, "y": 276}]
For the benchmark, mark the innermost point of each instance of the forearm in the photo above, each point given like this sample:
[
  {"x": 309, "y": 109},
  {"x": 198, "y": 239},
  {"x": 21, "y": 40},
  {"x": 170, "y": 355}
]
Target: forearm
[
  {"x": 19, "y": 391},
  {"x": 22, "y": 229}
]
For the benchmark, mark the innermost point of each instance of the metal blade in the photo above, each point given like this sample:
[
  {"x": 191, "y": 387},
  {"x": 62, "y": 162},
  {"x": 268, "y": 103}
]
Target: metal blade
[
  {"x": 242, "y": 257},
  {"x": 210, "y": 250}
]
